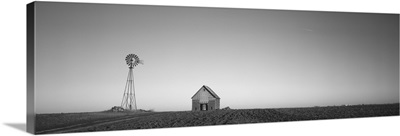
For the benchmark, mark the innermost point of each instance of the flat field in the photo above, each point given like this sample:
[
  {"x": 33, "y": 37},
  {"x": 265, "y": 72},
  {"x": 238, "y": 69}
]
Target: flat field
[{"x": 105, "y": 121}]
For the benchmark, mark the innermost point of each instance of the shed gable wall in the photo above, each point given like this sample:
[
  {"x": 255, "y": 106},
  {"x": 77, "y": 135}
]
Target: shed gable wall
[{"x": 203, "y": 95}]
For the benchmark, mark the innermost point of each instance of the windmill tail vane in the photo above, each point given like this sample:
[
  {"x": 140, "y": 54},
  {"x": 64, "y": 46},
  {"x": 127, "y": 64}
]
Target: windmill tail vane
[{"x": 141, "y": 62}]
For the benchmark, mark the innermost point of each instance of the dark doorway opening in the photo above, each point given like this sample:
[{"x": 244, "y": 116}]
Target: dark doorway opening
[{"x": 203, "y": 107}]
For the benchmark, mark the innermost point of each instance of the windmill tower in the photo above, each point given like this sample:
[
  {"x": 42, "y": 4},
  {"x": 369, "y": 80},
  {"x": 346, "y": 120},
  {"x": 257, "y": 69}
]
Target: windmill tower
[{"x": 129, "y": 98}]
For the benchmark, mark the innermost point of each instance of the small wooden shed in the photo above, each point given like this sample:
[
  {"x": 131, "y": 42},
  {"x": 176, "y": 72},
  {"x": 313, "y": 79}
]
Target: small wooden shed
[{"x": 205, "y": 99}]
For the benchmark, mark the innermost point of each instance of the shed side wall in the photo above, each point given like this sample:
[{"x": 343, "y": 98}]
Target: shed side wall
[{"x": 195, "y": 105}]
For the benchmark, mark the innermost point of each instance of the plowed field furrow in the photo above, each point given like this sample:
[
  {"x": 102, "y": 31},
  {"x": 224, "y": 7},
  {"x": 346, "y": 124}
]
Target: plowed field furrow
[{"x": 62, "y": 123}]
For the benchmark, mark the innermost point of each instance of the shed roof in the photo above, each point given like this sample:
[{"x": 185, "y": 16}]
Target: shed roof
[{"x": 209, "y": 90}]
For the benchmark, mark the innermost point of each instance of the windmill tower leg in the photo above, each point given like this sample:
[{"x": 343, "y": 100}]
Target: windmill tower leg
[
  {"x": 133, "y": 90},
  {"x": 129, "y": 99}
]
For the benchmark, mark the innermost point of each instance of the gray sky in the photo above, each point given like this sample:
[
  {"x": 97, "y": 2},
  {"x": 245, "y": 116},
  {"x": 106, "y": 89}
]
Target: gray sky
[{"x": 250, "y": 58}]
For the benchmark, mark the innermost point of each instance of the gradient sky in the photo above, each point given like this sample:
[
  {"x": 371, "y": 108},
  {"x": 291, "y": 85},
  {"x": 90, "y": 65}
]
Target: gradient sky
[{"x": 250, "y": 58}]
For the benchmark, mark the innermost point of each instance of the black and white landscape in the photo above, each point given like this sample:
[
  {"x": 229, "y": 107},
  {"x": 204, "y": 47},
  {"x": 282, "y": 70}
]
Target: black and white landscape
[{"x": 251, "y": 66}]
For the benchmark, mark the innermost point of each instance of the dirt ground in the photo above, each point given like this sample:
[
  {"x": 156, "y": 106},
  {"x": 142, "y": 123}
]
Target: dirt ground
[{"x": 105, "y": 121}]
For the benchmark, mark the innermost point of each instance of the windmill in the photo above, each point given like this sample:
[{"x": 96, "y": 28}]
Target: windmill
[{"x": 129, "y": 98}]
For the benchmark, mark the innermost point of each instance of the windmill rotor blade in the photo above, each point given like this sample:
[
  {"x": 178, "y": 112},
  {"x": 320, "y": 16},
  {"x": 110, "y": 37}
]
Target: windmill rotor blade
[{"x": 133, "y": 60}]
